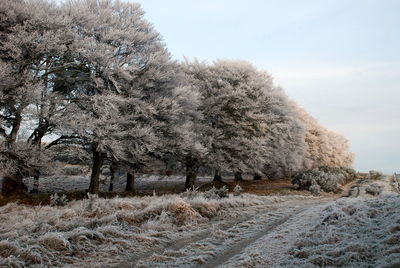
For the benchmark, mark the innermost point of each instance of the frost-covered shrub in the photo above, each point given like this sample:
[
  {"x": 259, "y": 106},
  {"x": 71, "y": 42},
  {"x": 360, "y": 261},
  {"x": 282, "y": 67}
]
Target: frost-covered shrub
[
  {"x": 373, "y": 189},
  {"x": 375, "y": 175},
  {"x": 190, "y": 193},
  {"x": 315, "y": 189},
  {"x": 328, "y": 179},
  {"x": 215, "y": 193},
  {"x": 237, "y": 190},
  {"x": 58, "y": 200}
]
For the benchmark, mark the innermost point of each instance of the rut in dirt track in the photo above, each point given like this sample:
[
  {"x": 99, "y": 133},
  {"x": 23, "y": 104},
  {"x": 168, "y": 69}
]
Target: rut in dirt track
[
  {"x": 235, "y": 249},
  {"x": 183, "y": 242}
]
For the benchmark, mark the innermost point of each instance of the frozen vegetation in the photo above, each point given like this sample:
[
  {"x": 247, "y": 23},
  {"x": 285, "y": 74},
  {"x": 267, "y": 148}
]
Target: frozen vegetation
[
  {"x": 101, "y": 232},
  {"x": 206, "y": 229},
  {"x": 89, "y": 84},
  {"x": 327, "y": 179},
  {"x": 91, "y": 99}
]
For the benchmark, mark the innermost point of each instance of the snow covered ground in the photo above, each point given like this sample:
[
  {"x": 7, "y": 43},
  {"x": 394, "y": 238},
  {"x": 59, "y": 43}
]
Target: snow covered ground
[{"x": 177, "y": 231}]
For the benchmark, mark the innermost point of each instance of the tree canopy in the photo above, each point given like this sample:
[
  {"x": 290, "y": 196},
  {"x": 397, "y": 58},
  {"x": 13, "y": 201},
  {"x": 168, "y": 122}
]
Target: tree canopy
[{"x": 96, "y": 74}]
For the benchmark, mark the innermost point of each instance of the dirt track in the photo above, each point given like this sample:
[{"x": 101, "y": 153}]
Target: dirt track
[
  {"x": 259, "y": 237},
  {"x": 221, "y": 240}
]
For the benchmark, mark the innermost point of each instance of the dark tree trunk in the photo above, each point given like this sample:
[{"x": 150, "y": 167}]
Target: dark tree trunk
[
  {"x": 96, "y": 169},
  {"x": 36, "y": 139},
  {"x": 257, "y": 177},
  {"x": 217, "y": 175},
  {"x": 13, "y": 185},
  {"x": 192, "y": 167},
  {"x": 130, "y": 182},
  {"x": 12, "y": 137},
  {"x": 112, "y": 179},
  {"x": 238, "y": 176}
]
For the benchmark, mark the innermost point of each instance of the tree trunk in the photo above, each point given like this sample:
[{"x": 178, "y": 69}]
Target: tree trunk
[
  {"x": 13, "y": 185},
  {"x": 36, "y": 139},
  {"x": 130, "y": 182},
  {"x": 217, "y": 175},
  {"x": 96, "y": 168},
  {"x": 35, "y": 188},
  {"x": 238, "y": 176},
  {"x": 257, "y": 177},
  {"x": 192, "y": 167},
  {"x": 112, "y": 179},
  {"x": 12, "y": 137}
]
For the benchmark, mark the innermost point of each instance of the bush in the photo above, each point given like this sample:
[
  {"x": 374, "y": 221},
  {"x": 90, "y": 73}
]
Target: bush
[
  {"x": 375, "y": 175},
  {"x": 315, "y": 189},
  {"x": 58, "y": 200},
  {"x": 215, "y": 193},
  {"x": 190, "y": 193},
  {"x": 327, "y": 179},
  {"x": 237, "y": 190},
  {"x": 373, "y": 189}
]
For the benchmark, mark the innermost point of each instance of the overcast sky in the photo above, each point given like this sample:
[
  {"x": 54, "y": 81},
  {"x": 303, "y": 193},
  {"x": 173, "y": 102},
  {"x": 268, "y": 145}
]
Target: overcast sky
[{"x": 339, "y": 59}]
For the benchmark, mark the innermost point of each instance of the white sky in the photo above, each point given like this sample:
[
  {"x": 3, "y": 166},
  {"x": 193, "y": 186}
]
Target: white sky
[{"x": 339, "y": 59}]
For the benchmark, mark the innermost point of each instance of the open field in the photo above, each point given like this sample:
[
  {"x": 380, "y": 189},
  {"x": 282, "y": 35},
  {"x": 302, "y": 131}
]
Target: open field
[{"x": 280, "y": 230}]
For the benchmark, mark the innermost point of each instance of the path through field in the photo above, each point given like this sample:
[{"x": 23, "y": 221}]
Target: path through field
[
  {"x": 264, "y": 236},
  {"x": 266, "y": 231},
  {"x": 192, "y": 230}
]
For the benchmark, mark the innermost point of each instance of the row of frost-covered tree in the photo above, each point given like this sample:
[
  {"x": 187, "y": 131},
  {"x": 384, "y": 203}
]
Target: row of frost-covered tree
[{"x": 94, "y": 75}]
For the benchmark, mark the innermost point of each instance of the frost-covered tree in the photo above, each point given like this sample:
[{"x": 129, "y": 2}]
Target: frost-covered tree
[
  {"x": 32, "y": 43},
  {"x": 324, "y": 147},
  {"x": 125, "y": 97},
  {"x": 249, "y": 123},
  {"x": 95, "y": 73}
]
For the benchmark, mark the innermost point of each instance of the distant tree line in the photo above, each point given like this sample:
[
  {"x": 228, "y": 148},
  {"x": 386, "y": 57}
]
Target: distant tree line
[{"x": 95, "y": 75}]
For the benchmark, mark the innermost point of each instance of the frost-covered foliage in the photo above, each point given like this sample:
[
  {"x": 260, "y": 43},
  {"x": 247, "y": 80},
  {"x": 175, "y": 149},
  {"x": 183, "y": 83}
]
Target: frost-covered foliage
[
  {"x": 95, "y": 230},
  {"x": 237, "y": 190},
  {"x": 250, "y": 123},
  {"x": 191, "y": 193},
  {"x": 352, "y": 233},
  {"x": 215, "y": 193},
  {"x": 58, "y": 200},
  {"x": 375, "y": 175},
  {"x": 373, "y": 189},
  {"x": 324, "y": 147},
  {"x": 127, "y": 89},
  {"x": 96, "y": 75},
  {"x": 327, "y": 179},
  {"x": 32, "y": 43}
]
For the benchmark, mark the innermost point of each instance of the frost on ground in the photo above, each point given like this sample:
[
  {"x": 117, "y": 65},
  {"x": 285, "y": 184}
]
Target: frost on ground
[
  {"x": 348, "y": 232},
  {"x": 190, "y": 230},
  {"x": 352, "y": 233},
  {"x": 103, "y": 232}
]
